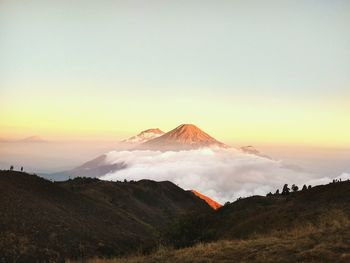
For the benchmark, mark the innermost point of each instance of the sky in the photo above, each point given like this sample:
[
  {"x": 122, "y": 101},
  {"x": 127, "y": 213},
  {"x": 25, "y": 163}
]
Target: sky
[{"x": 246, "y": 72}]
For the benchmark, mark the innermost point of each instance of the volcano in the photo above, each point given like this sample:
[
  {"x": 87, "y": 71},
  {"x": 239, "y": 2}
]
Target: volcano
[{"x": 183, "y": 137}]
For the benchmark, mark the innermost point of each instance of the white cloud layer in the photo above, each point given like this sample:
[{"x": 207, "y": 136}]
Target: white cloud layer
[{"x": 222, "y": 174}]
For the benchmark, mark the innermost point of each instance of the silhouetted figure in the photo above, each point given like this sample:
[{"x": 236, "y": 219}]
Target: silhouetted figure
[
  {"x": 285, "y": 190},
  {"x": 304, "y": 188},
  {"x": 11, "y": 168},
  {"x": 21, "y": 168},
  {"x": 295, "y": 188}
]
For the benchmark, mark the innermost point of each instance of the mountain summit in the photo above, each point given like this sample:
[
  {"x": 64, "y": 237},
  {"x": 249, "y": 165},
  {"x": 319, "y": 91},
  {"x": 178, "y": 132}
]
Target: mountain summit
[
  {"x": 145, "y": 136},
  {"x": 183, "y": 137}
]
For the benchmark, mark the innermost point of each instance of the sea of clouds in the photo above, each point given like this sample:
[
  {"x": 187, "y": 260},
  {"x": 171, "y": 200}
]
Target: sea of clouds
[{"x": 222, "y": 174}]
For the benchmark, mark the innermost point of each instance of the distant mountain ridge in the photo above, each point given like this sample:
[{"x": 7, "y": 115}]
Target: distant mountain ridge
[
  {"x": 34, "y": 138},
  {"x": 145, "y": 136},
  {"x": 252, "y": 150},
  {"x": 94, "y": 168},
  {"x": 30, "y": 139},
  {"x": 182, "y": 138}
]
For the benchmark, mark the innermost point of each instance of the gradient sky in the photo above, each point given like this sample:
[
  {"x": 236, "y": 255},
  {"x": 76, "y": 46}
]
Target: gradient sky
[{"x": 275, "y": 72}]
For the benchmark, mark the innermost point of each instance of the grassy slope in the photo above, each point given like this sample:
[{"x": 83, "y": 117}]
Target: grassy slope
[
  {"x": 310, "y": 226},
  {"x": 326, "y": 241},
  {"x": 277, "y": 213},
  {"x": 45, "y": 221},
  {"x": 157, "y": 204}
]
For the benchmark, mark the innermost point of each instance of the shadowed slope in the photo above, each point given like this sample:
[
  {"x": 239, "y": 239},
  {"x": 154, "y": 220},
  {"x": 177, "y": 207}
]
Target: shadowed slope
[
  {"x": 310, "y": 226},
  {"x": 47, "y": 222},
  {"x": 262, "y": 215}
]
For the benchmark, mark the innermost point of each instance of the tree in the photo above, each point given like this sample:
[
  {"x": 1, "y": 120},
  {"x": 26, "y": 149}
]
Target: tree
[
  {"x": 269, "y": 194},
  {"x": 304, "y": 187},
  {"x": 11, "y": 168},
  {"x": 295, "y": 188},
  {"x": 309, "y": 187},
  {"x": 277, "y": 192},
  {"x": 285, "y": 190},
  {"x": 22, "y": 169}
]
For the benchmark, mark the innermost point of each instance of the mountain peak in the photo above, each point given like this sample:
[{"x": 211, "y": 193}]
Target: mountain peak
[
  {"x": 189, "y": 134},
  {"x": 153, "y": 130},
  {"x": 186, "y": 126},
  {"x": 183, "y": 137},
  {"x": 145, "y": 136}
]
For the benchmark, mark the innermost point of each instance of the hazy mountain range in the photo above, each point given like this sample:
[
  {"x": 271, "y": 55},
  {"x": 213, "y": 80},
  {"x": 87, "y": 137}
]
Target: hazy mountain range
[
  {"x": 30, "y": 139},
  {"x": 183, "y": 138},
  {"x": 190, "y": 157}
]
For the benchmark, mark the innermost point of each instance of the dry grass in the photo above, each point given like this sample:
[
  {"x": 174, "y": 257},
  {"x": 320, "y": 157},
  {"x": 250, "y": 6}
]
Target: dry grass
[{"x": 328, "y": 240}]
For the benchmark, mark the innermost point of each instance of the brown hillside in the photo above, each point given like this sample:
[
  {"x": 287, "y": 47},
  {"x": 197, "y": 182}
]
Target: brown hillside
[
  {"x": 311, "y": 226},
  {"x": 47, "y": 222}
]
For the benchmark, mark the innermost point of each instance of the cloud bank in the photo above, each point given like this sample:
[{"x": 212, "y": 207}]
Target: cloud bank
[{"x": 222, "y": 174}]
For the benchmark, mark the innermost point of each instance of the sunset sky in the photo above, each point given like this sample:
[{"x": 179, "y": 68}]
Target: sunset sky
[{"x": 274, "y": 72}]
